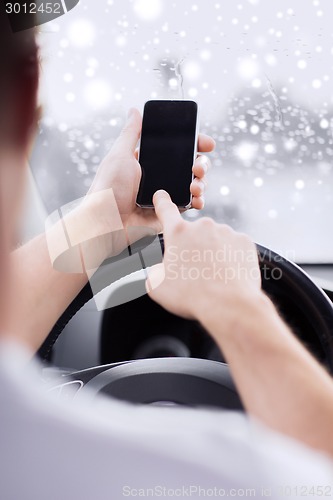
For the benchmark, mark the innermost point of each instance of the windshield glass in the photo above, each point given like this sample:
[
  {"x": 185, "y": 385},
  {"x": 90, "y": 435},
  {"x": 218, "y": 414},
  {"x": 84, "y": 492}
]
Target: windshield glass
[{"x": 261, "y": 73}]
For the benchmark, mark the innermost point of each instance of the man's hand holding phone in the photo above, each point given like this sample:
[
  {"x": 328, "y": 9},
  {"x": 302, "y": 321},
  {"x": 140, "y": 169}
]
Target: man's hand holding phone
[{"x": 121, "y": 171}]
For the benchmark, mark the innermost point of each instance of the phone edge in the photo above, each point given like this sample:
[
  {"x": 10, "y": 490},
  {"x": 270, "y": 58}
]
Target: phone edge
[{"x": 197, "y": 127}]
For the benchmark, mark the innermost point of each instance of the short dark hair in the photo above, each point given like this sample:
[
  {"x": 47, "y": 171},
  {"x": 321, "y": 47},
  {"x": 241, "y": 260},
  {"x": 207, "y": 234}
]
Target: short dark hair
[{"x": 19, "y": 72}]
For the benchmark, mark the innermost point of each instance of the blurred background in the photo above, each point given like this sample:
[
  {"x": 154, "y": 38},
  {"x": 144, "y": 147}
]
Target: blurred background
[{"x": 262, "y": 73}]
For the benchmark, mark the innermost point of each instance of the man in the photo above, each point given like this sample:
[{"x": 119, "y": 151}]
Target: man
[{"x": 110, "y": 450}]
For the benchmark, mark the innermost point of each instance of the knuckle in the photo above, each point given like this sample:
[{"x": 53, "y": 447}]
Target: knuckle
[
  {"x": 179, "y": 227},
  {"x": 202, "y": 182},
  {"x": 198, "y": 185},
  {"x": 207, "y": 222},
  {"x": 245, "y": 239},
  {"x": 226, "y": 229},
  {"x": 128, "y": 131},
  {"x": 127, "y": 128}
]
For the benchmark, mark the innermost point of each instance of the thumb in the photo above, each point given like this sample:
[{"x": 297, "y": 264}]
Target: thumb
[{"x": 129, "y": 136}]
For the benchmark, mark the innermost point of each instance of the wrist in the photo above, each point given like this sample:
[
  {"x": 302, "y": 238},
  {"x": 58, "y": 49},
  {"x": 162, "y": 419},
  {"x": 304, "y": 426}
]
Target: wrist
[
  {"x": 127, "y": 228},
  {"x": 90, "y": 233},
  {"x": 222, "y": 315},
  {"x": 100, "y": 212}
]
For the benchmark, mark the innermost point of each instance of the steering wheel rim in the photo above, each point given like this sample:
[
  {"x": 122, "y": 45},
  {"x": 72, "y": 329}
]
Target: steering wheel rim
[
  {"x": 316, "y": 306},
  {"x": 276, "y": 271},
  {"x": 177, "y": 381}
]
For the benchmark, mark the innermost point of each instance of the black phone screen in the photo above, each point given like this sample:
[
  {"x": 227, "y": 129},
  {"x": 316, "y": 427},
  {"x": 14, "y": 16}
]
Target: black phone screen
[{"x": 167, "y": 150}]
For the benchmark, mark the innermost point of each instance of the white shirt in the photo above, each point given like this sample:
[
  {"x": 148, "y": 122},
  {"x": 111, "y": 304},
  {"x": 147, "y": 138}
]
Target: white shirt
[{"x": 58, "y": 450}]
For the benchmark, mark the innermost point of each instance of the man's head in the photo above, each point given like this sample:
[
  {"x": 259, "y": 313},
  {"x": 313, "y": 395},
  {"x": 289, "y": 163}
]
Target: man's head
[
  {"x": 18, "y": 83},
  {"x": 18, "y": 98}
]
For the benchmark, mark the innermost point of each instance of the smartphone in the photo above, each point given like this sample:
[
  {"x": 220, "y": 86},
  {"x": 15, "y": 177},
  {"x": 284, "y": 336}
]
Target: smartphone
[{"x": 168, "y": 149}]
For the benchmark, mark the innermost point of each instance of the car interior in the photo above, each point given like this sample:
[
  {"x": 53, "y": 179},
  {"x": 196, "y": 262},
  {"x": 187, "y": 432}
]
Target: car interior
[{"x": 262, "y": 80}]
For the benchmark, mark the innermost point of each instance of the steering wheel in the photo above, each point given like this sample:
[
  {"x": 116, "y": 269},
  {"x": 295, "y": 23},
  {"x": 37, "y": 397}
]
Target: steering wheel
[{"x": 188, "y": 381}]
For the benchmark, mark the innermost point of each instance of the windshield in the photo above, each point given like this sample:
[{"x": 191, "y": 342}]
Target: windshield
[{"x": 261, "y": 73}]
